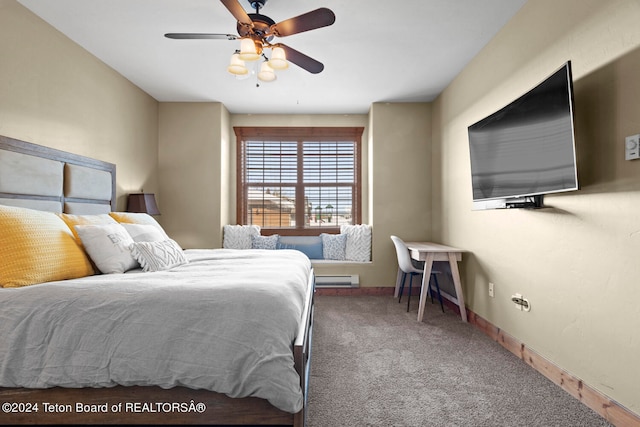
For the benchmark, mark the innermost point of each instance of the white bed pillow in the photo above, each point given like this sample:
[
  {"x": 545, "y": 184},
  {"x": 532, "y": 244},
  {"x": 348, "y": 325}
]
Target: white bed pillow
[
  {"x": 157, "y": 256},
  {"x": 144, "y": 232},
  {"x": 108, "y": 247},
  {"x": 358, "y": 242},
  {"x": 239, "y": 236}
]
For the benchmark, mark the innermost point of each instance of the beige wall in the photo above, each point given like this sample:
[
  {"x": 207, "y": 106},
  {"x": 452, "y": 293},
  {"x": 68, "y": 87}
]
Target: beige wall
[
  {"x": 194, "y": 172},
  {"x": 400, "y": 180},
  {"x": 54, "y": 93},
  {"x": 577, "y": 261}
]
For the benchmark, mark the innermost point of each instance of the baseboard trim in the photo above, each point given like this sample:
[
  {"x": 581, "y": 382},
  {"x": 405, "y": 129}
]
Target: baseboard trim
[
  {"x": 609, "y": 409},
  {"x": 355, "y": 291}
]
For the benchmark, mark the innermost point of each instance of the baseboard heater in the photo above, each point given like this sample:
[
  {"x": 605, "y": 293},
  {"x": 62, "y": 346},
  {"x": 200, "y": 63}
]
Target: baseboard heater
[{"x": 338, "y": 281}]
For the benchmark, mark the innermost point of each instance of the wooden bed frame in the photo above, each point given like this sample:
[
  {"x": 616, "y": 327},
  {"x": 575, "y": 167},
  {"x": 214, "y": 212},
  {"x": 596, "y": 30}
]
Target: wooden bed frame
[{"x": 139, "y": 405}]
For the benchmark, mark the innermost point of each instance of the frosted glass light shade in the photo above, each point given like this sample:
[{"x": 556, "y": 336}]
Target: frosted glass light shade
[
  {"x": 237, "y": 66},
  {"x": 278, "y": 59},
  {"x": 248, "y": 51},
  {"x": 266, "y": 73}
]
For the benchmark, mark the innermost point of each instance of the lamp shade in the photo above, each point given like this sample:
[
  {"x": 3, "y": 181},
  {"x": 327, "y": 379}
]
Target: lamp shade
[
  {"x": 237, "y": 66},
  {"x": 278, "y": 59},
  {"x": 266, "y": 73},
  {"x": 142, "y": 202},
  {"x": 248, "y": 50}
]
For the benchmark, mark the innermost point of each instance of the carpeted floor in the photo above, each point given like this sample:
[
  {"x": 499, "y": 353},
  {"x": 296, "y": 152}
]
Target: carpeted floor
[{"x": 373, "y": 364}]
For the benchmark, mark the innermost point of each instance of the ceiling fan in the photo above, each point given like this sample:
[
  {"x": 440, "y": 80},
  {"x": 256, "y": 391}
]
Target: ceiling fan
[{"x": 257, "y": 31}]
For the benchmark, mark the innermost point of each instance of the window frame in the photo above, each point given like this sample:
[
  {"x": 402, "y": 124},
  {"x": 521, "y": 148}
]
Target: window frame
[{"x": 299, "y": 135}]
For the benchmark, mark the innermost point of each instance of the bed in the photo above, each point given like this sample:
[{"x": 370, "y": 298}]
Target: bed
[{"x": 219, "y": 337}]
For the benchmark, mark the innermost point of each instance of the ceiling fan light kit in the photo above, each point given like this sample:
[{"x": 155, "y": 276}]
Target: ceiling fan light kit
[{"x": 256, "y": 32}]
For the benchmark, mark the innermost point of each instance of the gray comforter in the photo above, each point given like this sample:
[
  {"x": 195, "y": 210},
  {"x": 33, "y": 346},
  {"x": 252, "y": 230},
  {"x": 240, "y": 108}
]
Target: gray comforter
[{"x": 224, "y": 322}]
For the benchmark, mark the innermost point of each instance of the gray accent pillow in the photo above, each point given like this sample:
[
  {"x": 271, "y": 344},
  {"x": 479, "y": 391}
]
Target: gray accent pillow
[
  {"x": 334, "y": 246},
  {"x": 264, "y": 242}
]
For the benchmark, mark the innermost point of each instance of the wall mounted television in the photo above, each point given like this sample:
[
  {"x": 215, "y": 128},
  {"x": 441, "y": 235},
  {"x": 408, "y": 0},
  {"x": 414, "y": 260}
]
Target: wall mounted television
[{"x": 527, "y": 148}]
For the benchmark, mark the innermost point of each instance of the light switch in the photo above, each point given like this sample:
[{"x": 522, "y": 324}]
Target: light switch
[{"x": 632, "y": 147}]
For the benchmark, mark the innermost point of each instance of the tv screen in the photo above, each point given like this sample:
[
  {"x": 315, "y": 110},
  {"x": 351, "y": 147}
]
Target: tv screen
[{"x": 527, "y": 148}]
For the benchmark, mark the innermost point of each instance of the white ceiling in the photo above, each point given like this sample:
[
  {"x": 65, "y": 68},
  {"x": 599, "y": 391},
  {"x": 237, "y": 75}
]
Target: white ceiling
[{"x": 377, "y": 50}]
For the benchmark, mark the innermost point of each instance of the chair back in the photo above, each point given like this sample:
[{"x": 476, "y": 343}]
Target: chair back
[{"x": 404, "y": 258}]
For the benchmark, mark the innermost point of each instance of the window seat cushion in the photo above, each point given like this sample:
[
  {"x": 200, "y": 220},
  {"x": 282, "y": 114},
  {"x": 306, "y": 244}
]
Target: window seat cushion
[{"x": 311, "y": 246}]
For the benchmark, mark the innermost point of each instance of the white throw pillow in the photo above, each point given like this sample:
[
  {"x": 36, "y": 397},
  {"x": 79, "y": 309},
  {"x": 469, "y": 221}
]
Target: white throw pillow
[
  {"x": 144, "y": 232},
  {"x": 108, "y": 247},
  {"x": 156, "y": 256},
  {"x": 239, "y": 236},
  {"x": 358, "y": 242}
]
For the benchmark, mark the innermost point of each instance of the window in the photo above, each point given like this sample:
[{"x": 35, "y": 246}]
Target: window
[{"x": 299, "y": 180}]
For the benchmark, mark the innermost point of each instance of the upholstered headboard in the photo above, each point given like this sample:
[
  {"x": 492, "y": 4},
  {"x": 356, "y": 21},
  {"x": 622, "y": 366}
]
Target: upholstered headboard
[{"x": 38, "y": 177}]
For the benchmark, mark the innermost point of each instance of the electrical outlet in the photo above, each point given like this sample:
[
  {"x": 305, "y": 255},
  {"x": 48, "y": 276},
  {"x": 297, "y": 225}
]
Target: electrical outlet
[
  {"x": 632, "y": 147},
  {"x": 521, "y": 302},
  {"x": 517, "y": 300},
  {"x": 491, "y": 293}
]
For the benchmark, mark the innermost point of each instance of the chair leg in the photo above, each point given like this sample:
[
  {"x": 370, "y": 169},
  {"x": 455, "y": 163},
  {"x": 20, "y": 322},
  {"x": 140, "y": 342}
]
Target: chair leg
[
  {"x": 435, "y": 279},
  {"x": 410, "y": 283},
  {"x": 430, "y": 291},
  {"x": 404, "y": 276}
]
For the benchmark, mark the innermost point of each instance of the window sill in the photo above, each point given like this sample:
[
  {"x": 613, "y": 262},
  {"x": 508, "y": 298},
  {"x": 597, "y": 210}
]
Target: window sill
[{"x": 299, "y": 231}]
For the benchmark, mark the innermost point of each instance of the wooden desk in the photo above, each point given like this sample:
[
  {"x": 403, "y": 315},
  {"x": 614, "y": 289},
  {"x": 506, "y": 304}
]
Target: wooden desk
[{"x": 430, "y": 252}]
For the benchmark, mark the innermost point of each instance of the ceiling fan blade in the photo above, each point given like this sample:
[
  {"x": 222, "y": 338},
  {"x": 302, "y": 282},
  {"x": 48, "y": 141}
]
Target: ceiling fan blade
[
  {"x": 183, "y": 36},
  {"x": 318, "y": 18},
  {"x": 302, "y": 60},
  {"x": 237, "y": 11}
]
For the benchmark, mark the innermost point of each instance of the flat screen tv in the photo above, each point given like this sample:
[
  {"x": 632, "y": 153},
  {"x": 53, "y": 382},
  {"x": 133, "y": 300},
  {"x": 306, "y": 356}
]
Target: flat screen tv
[{"x": 527, "y": 148}]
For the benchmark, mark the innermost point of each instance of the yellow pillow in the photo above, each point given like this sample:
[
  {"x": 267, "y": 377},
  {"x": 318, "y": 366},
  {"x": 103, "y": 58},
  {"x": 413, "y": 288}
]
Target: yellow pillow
[
  {"x": 73, "y": 220},
  {"x": 136, "y": 218},
  {"x": 37, "y": 247}
]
